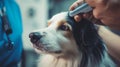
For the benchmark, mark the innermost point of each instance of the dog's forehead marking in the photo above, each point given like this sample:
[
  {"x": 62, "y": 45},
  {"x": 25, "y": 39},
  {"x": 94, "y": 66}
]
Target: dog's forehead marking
[{"x": 58, "y": 19}]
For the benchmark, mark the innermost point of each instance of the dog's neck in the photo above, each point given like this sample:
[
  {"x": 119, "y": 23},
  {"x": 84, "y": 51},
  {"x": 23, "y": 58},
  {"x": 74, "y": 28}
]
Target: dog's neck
[{"x": 52, "y": 61}]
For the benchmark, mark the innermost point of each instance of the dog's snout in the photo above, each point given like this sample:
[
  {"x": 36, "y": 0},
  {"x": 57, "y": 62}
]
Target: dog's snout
[{"x": 35, "y": 36}]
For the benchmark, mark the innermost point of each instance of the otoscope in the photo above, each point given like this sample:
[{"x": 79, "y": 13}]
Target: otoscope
[{"x": 83, "y": 8}]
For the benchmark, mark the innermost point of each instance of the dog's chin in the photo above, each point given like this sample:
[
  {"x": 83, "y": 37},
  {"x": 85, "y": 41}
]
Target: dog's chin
[{"x": 41, "y": 48}]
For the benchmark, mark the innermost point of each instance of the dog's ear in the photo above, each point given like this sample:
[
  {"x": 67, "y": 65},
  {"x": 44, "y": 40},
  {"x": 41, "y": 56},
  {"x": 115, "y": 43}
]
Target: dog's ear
[
  {"x": 88, "y": 41},
  {"x": 85, "y": 33}
]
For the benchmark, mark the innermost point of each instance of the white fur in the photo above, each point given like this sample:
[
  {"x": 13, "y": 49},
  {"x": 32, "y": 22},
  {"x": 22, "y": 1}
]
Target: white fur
[{"x": 58, "y": 40}]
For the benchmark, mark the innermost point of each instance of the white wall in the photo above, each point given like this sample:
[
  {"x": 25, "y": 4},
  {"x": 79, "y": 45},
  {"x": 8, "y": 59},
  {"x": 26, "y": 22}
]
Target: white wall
[{"x": 39, "y": 19}]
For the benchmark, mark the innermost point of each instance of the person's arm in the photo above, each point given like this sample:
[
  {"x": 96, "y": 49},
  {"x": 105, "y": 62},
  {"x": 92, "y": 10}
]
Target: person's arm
[{"x": 112, "y": 42}]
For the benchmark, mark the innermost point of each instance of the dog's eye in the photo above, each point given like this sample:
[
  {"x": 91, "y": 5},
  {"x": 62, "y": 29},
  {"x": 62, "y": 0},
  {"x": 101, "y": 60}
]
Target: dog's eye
[{"x": 64, "y": 27}]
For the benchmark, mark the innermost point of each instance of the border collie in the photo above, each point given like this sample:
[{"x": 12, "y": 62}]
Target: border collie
[{"x": 66, "y": 43}]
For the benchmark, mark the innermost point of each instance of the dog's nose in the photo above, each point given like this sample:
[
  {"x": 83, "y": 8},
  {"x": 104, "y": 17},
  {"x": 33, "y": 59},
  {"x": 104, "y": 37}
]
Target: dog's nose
[{"x": 35, "y": 36}]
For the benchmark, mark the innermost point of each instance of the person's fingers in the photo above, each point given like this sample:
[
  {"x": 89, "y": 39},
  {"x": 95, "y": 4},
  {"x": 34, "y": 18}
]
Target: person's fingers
[
  {"x": 75, "y": 4},
  {"x": 77, "y": 18},
  {"x": 89, "y": 16},
  {"x": 80, "y": 16},
  {"x": 86, "y": 15}
]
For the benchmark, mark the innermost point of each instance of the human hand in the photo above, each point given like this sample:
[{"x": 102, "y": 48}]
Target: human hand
[
  {"x": 79, "y": 16},
  {"x": 104, "y": 12}
]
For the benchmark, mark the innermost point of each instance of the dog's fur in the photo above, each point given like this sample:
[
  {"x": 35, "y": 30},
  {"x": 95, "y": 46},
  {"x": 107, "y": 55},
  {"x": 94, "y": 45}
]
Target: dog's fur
[{"x": 66, "y": 43}]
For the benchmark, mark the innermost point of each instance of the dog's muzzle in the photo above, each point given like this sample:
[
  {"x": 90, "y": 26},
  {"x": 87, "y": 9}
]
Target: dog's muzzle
[
  {"x": 35, "y": 39},
  {"x": 35, "y": 36}
]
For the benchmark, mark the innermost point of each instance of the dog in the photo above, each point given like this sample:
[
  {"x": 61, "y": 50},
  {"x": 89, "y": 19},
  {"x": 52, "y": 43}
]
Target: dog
[{"x": 66, "y": 43}]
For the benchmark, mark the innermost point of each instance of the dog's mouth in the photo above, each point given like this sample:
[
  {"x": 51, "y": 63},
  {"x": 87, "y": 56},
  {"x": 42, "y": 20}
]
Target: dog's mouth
[
  {"x": 42, "y": 47},
  {"x": 38, "y": 45}
]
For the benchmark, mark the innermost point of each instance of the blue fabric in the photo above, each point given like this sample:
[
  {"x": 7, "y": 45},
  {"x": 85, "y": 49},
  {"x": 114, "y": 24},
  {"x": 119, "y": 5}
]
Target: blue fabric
[{"x": 10, "y": 58}]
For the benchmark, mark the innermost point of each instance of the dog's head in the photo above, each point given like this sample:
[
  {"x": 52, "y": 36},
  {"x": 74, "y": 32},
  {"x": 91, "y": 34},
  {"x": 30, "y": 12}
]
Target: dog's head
[
  {"x": 64, "y": 36},
  {"x": 57, "y": 38}
]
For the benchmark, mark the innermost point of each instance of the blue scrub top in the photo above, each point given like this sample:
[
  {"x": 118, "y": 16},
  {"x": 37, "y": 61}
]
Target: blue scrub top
[{"x": 10, "y": 58}]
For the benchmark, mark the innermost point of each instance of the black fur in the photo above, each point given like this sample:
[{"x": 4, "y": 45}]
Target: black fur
[{"x": 88, "y": 41}]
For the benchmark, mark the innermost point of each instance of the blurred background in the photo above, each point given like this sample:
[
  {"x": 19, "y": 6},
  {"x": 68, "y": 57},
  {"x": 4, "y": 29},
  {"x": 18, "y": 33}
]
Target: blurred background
[{"x": 35, "y": 14}]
